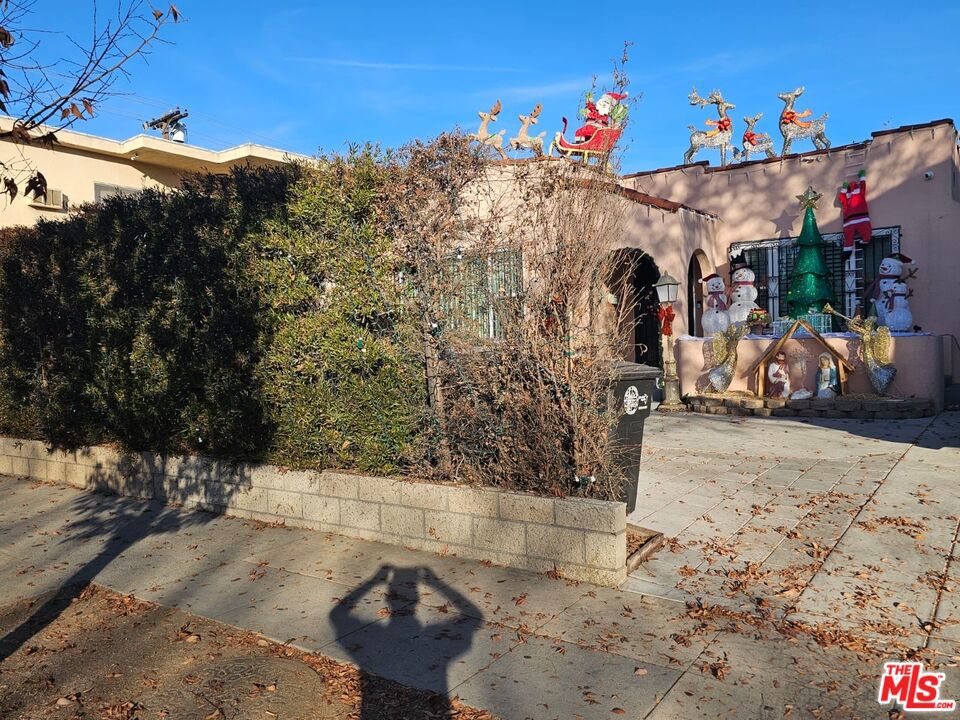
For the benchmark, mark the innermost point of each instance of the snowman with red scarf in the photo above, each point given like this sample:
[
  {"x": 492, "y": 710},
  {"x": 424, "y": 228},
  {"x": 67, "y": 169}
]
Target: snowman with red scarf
[
  {"x": 889, "y": 274},
  {"x": 743, "y": 293},
  {"x": 899, "y": 317},
  {"x": 715, "y": 318}
]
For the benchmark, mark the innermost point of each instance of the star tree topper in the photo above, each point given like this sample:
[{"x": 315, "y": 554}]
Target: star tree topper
[{"x": 809, "y": 198}]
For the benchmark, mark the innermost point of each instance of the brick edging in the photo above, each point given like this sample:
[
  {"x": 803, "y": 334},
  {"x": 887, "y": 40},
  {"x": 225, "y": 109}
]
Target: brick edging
[{"x": 879, "y": 409}]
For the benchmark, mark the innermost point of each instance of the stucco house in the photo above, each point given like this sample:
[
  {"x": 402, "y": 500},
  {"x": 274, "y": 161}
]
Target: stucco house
[
  {"x": 686, "y": 220},
  {"x": 83, "y": 168},
  {"x": 689, "y": 220},
  {"x": 913, "y": 177}
]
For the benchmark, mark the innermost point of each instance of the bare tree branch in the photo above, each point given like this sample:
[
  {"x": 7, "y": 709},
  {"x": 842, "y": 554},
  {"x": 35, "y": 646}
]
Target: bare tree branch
[{"x": 45, "y": 95}]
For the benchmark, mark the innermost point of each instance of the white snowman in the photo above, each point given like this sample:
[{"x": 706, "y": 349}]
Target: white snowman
[
  {"x": 743, "y": 294},
  {"x": 898, "y": 315},
  {"x": 889, "y": 273},
  {"x": 715, "y": 318}
]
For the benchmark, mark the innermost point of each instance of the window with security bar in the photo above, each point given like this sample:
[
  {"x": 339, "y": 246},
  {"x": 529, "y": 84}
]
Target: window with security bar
[
  {"x": 772, "y": 263},
  {"x": 480, "y": 286}
]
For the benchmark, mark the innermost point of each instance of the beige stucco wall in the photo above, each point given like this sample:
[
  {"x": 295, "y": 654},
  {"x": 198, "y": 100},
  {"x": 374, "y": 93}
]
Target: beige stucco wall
[
  {"x": 670, "y": 236},
  {"x": 76, "y": 172},
  {"x": 758, "y": 201},
  {"x": 78, "y": 161}
]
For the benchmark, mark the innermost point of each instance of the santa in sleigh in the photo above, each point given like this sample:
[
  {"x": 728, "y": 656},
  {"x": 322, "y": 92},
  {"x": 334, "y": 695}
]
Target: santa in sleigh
[{"x": 602, "y": 128}]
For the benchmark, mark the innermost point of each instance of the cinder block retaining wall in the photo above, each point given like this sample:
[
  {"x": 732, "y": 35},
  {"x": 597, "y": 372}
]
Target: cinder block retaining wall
[{"x": 582, "y": 539}]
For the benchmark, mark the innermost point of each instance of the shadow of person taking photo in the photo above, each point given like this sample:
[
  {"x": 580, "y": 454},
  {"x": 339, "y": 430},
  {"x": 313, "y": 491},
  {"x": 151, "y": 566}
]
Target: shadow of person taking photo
[{"x": 410, "y": 646}]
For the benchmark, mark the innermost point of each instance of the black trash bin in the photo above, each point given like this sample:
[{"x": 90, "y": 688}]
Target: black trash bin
[{"x": 630, "y": 396}]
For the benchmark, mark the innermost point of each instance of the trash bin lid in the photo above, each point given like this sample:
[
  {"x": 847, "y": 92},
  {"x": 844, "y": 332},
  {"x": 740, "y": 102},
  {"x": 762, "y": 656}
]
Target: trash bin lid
[{"x": 622, "y": 370}]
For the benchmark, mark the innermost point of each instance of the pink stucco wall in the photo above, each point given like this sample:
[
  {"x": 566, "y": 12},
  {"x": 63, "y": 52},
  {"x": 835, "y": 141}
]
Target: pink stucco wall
[
  {"x": 917, "y": 358},
  {"x": 672, "y": 238},
  {"x": 757, "y": 201}
]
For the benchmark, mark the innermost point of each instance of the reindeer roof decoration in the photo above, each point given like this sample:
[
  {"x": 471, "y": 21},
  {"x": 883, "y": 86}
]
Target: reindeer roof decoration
[
  {"x": 794, "y": 127},
  {"x": 523, "y": 140},
  {"x": 722, "y": 129},
  {"x": 483, "y": 134},
  {"x": 754, "y": 142}
]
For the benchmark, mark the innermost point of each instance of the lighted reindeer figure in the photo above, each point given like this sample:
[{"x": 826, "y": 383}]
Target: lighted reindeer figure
[
  {"x": 794, "y": 127},
  {"x": 523, "y": 140},
  {"x": 484, "y": 136},
  {"x": 719, "y": 136},
  {"x": 754, "y": 142}
]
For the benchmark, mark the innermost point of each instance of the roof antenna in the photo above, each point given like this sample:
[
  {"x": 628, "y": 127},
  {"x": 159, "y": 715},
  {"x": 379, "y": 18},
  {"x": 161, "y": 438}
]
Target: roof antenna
[{"x": 170, "y": 125}]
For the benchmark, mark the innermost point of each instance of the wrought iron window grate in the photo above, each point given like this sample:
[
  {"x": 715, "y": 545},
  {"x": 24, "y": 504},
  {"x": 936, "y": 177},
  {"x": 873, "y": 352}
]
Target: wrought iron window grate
[
  {"x": 479, "y": 286},
  {"x": 772, "y": 262}
]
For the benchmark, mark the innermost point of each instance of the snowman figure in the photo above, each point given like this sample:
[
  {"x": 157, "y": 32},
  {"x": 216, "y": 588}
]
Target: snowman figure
[
  {"x": 890, "y": 272},
  {"x": 715, "y": 318},
  {"x": 898, "y": 315},
  {"x": 743, "y": 294}
]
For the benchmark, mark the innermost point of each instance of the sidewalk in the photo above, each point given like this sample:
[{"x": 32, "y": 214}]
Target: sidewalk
[{"x": 817, "y": 553}]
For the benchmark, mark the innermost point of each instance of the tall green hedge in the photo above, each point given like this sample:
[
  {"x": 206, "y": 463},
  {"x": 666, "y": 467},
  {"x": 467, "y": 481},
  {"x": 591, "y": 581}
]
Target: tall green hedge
[
  {"x": 250, "y": 315},
  {"x": 135, "y": 321},
  {"x": 342, "y": 374}
]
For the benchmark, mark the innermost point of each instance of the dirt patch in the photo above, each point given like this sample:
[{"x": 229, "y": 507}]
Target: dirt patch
[
  {"x": 641, "y": 544},
  {"x": 111, "y": 657},
  {"x": 635, "y": 541}
]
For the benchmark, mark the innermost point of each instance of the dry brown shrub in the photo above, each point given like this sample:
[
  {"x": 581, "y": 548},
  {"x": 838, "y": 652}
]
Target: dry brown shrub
[{"x": 514, "y": 280}]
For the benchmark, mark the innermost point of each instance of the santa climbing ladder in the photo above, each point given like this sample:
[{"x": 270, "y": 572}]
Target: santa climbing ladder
[{"x": 856, "y": 216}]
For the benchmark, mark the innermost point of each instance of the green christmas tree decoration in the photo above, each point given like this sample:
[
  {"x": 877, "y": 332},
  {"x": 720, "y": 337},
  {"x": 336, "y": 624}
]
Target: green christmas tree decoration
[{"x": 810, "y": 287}]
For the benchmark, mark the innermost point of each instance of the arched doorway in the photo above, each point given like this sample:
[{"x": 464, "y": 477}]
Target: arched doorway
[
  {"x": 646, "y": 327},
  {"x": 698, "y": 261},
  {"x": 636, "y": 272}
]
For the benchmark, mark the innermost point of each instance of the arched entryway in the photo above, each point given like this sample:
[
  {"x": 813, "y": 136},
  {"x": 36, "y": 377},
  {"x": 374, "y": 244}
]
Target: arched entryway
[
  {"x": 695, "y": 273},
  {"x": 636, "y": 272},
  {"x": 646, "y": 328}
]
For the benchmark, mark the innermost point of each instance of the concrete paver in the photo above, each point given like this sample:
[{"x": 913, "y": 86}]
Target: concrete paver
[{"x": 550, "y": 679}]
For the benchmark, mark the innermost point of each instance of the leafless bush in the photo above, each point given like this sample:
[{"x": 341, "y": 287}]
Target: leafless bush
[{"x": 521, "y": 314}]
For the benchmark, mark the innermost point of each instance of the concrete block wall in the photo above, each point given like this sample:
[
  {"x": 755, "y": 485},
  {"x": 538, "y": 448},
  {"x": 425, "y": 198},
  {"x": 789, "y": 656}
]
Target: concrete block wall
[{"x": 579, "y": 538}]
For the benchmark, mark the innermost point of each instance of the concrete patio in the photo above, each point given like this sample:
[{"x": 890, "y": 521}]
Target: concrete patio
[{"x": 802, "y": 556}]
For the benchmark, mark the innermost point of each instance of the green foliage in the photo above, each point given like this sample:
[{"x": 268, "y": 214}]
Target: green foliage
[
  {"x": 342, "y": 371},
  {"x": 135, "y": 320},
  {"x": 255, "y": 315},
  {"x": 298, "y": 315}
]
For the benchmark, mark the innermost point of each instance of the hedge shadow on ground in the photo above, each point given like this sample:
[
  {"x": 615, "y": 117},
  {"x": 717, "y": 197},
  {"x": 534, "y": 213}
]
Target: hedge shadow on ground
[{"x": 115, "y": 528}]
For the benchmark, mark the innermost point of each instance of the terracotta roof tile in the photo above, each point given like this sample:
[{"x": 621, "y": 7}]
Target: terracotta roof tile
[{"x": 645, "y": 199}]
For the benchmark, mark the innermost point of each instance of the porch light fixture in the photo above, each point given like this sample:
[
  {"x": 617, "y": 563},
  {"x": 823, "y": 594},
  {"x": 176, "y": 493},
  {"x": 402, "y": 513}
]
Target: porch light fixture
[{"x": 667, "y": 288}]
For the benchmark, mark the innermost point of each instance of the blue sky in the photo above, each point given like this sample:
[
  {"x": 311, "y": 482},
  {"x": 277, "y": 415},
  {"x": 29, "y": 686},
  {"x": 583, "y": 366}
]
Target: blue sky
[{"x": 308, "y": 75}]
